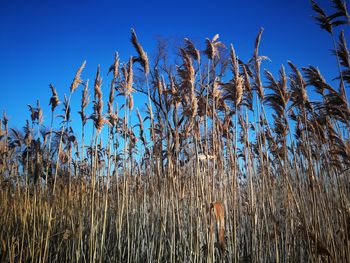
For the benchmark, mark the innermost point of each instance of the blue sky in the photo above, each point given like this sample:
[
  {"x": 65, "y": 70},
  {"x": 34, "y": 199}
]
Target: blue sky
[{"x": 44, "y": 42}]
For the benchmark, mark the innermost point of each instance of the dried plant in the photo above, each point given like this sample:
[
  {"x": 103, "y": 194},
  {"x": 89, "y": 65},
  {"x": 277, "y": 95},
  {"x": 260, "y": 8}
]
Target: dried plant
[
  {"x": 191, "y": 49},
  {"x": 54, "y": 101},
  {"x": 220, "y": 222},
  {"x": 85, "y": 100},
  {"x": 212, "y": 47},
  {"x": 142, "y": 58},
  {"x": 77, "y": 80},
  {"x": 256, "y": 60},
  {"x": 274, "y": 149},
  {"x": 98, "y": 118},
  {"x": 341, "y": 7}
]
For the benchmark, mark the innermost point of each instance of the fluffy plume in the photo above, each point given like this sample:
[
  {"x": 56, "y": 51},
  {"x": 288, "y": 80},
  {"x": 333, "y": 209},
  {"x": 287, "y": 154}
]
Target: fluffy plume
[
  {"x": 39, "y": 112},
  {"x": 298, "y": 86},
  {"x": 32, "y": 112},
  {"x": 328, "y": 22},
  {"x": 279, "y": 97},
  {"x": 343, "y": 53},
  {"x": 99, "y": 120},
  {"x": 142, "y": 58},
  {"x": 127, "y": 84},
  {"x": 97, "y": 85},
  {"x": 54, "y": 101},
  {"x": 322, "y": 19},
  {"x": 187, "y": 70},
  {"x": 257, "y": 63},
  {"x": 191, "y": 49},
  {"x": 234, "y": 61},
  {"x": 66, "y": 110},
  {"x": 115, "y": 67},
  {"x": 130, "y": 77},
  {"x": 233, "y": 90},
  {"x": 341, "y": 7},
  {"x": 248, "y": 98},
  {"x": 85, "y": 99},
  {"x": 315, "y": 79},
  {"x": 111, "y": 99},
  {"x": 77, "y": 81},
  {"x": 212, "y": 47}
]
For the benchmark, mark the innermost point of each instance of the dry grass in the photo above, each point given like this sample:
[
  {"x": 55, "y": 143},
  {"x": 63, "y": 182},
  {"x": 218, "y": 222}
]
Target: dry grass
[{"x": 207, "y": 174}]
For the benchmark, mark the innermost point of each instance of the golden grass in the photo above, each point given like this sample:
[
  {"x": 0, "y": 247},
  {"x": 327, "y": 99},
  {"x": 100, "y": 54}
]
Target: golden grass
[{"x": 215, "y": 170}]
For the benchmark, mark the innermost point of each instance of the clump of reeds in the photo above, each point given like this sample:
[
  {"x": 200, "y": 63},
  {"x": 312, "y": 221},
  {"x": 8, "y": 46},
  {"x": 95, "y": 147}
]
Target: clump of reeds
[{"x": 224, "y": 163}]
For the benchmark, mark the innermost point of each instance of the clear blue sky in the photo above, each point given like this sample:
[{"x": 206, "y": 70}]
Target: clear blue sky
[{"x": 44, "y": 42}]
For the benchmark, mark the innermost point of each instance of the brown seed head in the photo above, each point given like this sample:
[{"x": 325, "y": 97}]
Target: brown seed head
[
  {"x": 142, "y": 58},
  {"x": 191, "y": 49},
  {"x": 77, "y": 81},
  {"x": 54, "y": 101}
]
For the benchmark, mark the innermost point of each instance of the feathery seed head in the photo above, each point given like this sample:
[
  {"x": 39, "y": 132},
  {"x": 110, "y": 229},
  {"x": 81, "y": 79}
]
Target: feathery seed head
[
  {"x": 77, "y": 80},
  {"x": 54, "y": 101},
  {"x": 142, "y": 58}
]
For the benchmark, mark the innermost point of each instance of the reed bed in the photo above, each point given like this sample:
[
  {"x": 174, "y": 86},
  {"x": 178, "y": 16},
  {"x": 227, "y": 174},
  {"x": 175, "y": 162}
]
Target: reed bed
[{"x": 225, "y": 162}]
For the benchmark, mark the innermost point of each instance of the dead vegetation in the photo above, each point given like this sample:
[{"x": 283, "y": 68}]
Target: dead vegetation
[{"x": 225, "y": 163}]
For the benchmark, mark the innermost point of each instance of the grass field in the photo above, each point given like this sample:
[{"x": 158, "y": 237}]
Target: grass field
[{"x": 225, "y": 163}]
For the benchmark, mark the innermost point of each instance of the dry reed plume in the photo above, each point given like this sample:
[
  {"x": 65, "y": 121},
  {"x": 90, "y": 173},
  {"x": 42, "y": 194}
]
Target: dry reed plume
[{"x": 225, "y": 162}]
